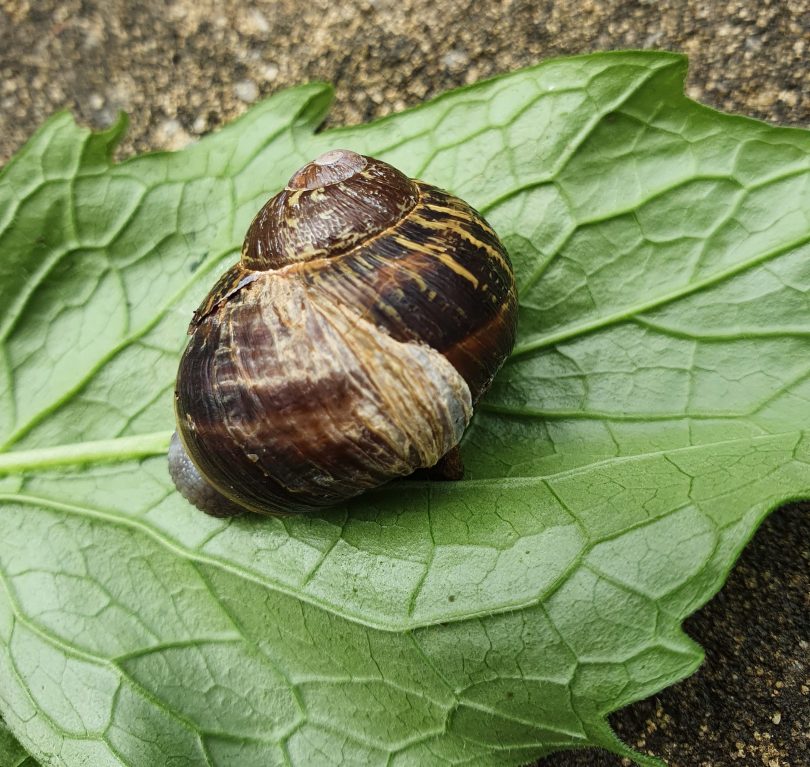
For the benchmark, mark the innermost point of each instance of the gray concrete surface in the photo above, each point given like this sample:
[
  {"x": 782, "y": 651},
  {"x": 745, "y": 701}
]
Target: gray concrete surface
[{"x": 182, "y": 67}]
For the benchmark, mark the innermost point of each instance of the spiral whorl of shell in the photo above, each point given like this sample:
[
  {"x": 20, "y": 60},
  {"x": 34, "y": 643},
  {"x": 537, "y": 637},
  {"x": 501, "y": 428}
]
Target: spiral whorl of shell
[{"x": 347, "y": 347}]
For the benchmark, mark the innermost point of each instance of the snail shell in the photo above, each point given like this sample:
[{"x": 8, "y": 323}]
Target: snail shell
[{"x": 347, "y": 347}]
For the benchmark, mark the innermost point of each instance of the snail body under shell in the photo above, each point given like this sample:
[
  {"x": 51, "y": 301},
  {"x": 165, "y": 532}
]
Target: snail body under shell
[{"x": 347, "y": 347}]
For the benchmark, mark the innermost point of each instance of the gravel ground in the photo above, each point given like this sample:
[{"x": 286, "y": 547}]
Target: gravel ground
[
  {"x": 182, "y": 67},
  {"x": 749, "y": 703}
]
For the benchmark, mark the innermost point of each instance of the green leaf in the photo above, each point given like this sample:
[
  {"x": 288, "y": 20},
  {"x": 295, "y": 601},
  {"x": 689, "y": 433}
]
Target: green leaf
[
  {"x": 655, "y": 410},
  {"x": 12, "y": 753}
]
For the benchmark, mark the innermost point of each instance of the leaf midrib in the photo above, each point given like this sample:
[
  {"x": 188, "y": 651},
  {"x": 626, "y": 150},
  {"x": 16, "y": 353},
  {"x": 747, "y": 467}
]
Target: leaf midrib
[{"x": 77, "y": 453}]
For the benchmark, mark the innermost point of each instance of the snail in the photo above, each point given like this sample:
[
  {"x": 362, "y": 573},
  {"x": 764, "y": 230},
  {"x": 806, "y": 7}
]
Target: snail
[{"x": 348, "y": 346}]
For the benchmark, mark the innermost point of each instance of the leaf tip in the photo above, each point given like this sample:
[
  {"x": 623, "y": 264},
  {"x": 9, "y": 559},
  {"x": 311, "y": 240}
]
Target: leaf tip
[{"x": 602, "y": 736}]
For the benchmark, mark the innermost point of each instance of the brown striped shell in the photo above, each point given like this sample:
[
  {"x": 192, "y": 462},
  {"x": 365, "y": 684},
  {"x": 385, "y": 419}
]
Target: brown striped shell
[{"x": 347, "y": 347}]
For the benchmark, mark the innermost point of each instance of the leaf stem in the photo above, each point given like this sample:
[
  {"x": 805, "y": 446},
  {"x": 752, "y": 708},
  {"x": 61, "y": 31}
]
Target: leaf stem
[{"x": 100, "y": 451}]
